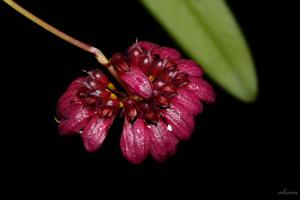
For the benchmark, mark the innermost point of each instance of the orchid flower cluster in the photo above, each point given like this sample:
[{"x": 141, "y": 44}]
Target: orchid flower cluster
[{"x": 163, "y": 93}]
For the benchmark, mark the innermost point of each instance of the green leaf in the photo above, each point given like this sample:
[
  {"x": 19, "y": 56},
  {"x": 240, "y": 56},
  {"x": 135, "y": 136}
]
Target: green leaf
[{"x": 207, "y": 31}]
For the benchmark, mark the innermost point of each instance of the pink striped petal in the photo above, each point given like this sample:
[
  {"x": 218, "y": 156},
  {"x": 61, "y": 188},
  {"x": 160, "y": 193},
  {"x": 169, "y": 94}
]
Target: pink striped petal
[
  {"x": 69, "y": 96},
  {"x": 167, "y": 53},
  {"x": 163, "y": 142},
  {"x": 184, "y": 114},
  {"x": 135, "y": 141},
  {"x": 201, "y": 89},
  {"x": 137, "y": 82},
  {"x": 144, "y": 45},
  {"x": 95, "y": 132},
  {"x": 189, "y": 101},
  {"x": 177, "y": 125},
  {"x": 189, "y": 67},
  {"x": 77, "y": 118}
]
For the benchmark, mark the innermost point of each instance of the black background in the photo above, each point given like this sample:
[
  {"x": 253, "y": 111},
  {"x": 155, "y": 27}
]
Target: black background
[{"x": 237, "y": 150}]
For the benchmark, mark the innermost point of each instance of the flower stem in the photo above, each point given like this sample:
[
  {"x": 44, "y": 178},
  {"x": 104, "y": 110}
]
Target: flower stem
[{"x": 86, "y": 47}]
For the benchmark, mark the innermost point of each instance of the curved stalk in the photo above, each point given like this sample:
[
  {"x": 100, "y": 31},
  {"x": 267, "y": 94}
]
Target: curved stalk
[{"x": 86, "y": 47}]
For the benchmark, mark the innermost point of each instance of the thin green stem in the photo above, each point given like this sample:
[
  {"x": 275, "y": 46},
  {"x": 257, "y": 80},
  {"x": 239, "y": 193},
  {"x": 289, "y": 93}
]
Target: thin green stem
[{"x": 86, "y": 47}]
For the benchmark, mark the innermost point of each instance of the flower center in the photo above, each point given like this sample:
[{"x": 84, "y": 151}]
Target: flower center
[
  {"x": 161, "y": 74},
  {"x": 151, "y": 81},
  {"x": 95, "y": 95}
]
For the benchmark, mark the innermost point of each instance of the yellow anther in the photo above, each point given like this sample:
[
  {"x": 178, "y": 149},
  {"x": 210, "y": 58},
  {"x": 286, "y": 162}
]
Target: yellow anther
[
  {"x": 137, "y": 98},
  {"x": 111, "y": 86},
  {"x": 151, "y": 78},
  {"x": 113, "y": 96},
  {"x": 121, "y": 104}
]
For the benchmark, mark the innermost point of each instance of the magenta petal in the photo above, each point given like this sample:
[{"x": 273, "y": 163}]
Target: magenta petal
[
  {"x": 64, "y": 105},
  {"x": 95, "y": 132},
  {"x": 135, "y": 141},
  {"x": 189, "y": 67},
  {"x": 76, "y": 120},
  {"x": 163, "y": 141},
  {"x": 167, "y": 53},
  {"x": 149, "y": 46},
  {"x": 184, "y": 114},
  {"x": 137, "y": 82},
  {"x": 178, "y": 125},
  {"x": 69, "y": 95},
  {"x": 76, "y": 84},
  {"x": 201, "y": 89},
  {"x": 189, "y": 101}
]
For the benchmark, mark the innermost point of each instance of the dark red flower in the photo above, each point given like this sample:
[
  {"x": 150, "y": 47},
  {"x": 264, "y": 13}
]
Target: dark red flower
[
  {"x": 88, "y": 108},
  {"x": 165, "y": 93}
]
